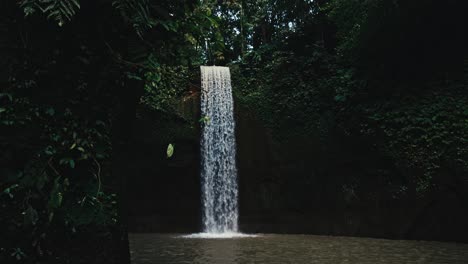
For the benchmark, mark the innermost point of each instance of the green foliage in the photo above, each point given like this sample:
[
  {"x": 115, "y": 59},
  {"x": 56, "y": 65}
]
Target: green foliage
[
  {"x": 61, "y": 11},
  {"x": 288, "y": 91},
  {"x": 359, "y": 92},
  {"x": 63, "y": 94},
  {"x": 46, "y": 196},
  {"x": 137, "y": 13},
  {"x": 426, "y": 133},
  {"x": 163, "y": 88},
  {"x": 350, "y": 18}
]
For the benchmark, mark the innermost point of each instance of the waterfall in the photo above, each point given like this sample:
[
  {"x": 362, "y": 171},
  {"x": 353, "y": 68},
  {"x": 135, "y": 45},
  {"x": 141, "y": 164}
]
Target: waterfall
[{"x": 218, "y": 152}]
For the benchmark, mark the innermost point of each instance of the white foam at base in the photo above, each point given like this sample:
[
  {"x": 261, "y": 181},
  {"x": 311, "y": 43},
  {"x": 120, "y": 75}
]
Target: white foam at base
[{"x": 218, "y": 235}]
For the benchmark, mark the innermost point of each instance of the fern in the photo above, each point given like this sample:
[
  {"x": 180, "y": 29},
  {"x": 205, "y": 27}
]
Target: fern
[
  {"x": 137, "y": 12},
  {"x": 61, "y": 11}
]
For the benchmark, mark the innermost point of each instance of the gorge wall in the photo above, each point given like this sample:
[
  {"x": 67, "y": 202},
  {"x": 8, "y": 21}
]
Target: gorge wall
[{"x": 289, "y": 186}]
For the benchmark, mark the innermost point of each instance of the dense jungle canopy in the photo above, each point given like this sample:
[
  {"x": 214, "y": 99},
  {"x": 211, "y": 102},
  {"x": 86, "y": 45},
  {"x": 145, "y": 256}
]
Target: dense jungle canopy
[{"x": 364, "y": 103}]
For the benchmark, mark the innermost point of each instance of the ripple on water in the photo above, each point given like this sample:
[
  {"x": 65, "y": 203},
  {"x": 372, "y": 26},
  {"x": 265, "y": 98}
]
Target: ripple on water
[{"x": 238, "y": 248}]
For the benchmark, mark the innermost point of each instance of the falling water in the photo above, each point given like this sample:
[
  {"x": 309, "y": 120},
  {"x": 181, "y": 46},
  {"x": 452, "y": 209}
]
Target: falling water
[{"x": 218, "y": 152}]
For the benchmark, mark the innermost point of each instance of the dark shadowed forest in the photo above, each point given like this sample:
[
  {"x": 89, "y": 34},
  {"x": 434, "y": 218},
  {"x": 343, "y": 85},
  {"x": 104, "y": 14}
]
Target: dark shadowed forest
[{"x": 351, "y": 120}]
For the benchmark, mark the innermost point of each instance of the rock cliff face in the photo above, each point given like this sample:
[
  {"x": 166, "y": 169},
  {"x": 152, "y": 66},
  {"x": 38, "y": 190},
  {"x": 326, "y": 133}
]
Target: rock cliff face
[
  {"x": 285, "y": 187},
  {"x": 165, "y": 192}
]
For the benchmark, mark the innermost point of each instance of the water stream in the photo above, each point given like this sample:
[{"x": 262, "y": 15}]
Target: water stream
[{"x": 218, "y": 153}]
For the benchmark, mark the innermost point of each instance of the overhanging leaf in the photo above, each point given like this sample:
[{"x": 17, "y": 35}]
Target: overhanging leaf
[{"x": 170, "y": 150}]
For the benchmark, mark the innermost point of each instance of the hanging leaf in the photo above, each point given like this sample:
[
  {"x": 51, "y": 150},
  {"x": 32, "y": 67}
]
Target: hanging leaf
[
  {"x": 205, "y": 120},
  {"x": 170, "y": 150}
]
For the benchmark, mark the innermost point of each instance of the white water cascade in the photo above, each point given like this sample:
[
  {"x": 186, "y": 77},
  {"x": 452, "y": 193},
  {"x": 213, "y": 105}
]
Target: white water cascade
[{"x": 218, "y": 153}]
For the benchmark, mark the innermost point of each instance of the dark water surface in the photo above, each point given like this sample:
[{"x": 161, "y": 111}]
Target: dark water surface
[{"x": 297, "y": 249}]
